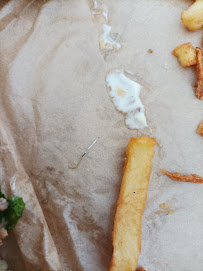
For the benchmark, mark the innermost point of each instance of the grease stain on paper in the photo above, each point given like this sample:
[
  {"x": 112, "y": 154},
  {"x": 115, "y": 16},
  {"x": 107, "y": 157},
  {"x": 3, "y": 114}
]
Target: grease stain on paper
[{"x": 164, "y": 209}]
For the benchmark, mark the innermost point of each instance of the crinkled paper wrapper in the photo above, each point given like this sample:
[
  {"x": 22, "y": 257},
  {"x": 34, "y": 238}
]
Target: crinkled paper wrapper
[{"x": 54, "y": 103}]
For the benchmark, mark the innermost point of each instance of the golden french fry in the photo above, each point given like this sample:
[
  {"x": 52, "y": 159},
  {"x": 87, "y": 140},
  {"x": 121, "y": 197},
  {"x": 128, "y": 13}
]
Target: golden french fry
[
  {"x": 186, "y": 54},
  {"x": 192, "y": 18},
  {"x": 193, "y": 178},
  {"x": 126, "y": 234},
  {"x": 200, "y": 129},
  {"x": 199, "y": 89}
]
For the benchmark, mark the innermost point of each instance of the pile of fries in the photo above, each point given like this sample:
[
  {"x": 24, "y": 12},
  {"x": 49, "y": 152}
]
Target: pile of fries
[{"x": 187, "y": 55}]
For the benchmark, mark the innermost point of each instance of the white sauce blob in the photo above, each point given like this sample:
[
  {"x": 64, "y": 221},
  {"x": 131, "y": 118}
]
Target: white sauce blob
[
  {"x": 95, "y": 4},
  {"x": 125, "y": 96},
  {"x": 104, "y": 13},
  {"x": 106, "y": 42},
  {"x": 96, "y": 11}
]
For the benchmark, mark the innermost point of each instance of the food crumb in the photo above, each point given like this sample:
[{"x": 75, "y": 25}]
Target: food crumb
[
  {"x": 151, "y": 51},
  {"x": 163, "y": 206},
  {"x": 170, "y": 212},
  {"x": 158, "y": 212},
  {"x": 165, "y": 209}
]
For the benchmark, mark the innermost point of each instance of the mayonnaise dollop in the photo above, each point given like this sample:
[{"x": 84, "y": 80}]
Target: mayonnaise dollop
[
  {"x": 106, "y": 42},
  {"x": 99, "y": 11},
  {"x": 125, "y": 96}
]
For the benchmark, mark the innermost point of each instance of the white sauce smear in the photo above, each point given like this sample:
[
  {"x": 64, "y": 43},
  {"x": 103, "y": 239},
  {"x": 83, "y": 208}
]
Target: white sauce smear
[
  {"x": 96, "y": 11},
  {"x": 95, "y": 4},
  {"x": 106, "y": 42},
  {"x": 125, "y": 96}
]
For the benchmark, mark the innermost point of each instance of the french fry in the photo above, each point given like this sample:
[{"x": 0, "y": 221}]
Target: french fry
[
  {"x": 199, "y": 89},
  {"x": 186, "y": 54},
  {"x": 192, "y": 18},
  {"x": 193, "y": 178},
  {"x": 200, "y": 129},
  {"x": 126, "y": 234}
]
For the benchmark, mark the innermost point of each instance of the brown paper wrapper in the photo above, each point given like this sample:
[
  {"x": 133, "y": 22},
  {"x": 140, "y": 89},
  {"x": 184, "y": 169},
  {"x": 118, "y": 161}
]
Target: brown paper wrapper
[{"x": 54, "y": 104}]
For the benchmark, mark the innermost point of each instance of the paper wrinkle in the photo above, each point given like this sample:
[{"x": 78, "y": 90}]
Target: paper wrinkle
[
  {"x": 12, "y": 10},
  {"x": 54, "y": 103},
  {"x": 12, "y": 183},
  {"x": 20, "y": 185}
]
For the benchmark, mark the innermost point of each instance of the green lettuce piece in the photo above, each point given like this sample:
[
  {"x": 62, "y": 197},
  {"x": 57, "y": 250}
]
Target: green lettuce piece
[
  {"x": 14, "y": 211},
  {"x": 2, "y": 195}
]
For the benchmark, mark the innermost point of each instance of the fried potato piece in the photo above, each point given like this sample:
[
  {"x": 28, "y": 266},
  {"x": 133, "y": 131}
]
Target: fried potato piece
[
  {"x": 193, "y": 178},
  {"x": 141, "y": 269},
  {"x": 126, "y": 234},
  {"x": 186, "y": 54},
  {"x": 200, "y": 129},
  {"x": 199, "y": 89},
  {"x": 192, "y": 18}
]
